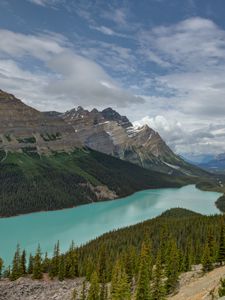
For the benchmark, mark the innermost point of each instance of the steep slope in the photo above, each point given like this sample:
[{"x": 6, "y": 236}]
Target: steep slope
[
  {"x": 46, "y": 161},
  {"x": 23, "y": 128},
  {"x": 109, "y": 132},
  {"x": 30, "y": 182}
]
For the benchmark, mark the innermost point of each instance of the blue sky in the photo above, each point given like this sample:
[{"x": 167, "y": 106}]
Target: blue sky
[{"x": 160, "y": 62}]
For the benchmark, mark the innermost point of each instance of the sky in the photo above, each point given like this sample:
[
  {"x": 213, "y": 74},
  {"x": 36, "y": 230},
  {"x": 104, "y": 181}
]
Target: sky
[{"x": 160, "y": 62}]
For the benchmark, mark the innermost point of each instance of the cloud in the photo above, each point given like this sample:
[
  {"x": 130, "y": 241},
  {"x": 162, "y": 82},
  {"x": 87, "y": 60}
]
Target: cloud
[
  {"x": 44, "y": 2},
  {"x": 68, "y": 78},
  {"x": 87, "y": 82},
  {"x": 208, "y": 139},
  {"x": 108, "y": 31},
  {"x": 41, "y": 46},
  {"x": 191, "y": 87}
]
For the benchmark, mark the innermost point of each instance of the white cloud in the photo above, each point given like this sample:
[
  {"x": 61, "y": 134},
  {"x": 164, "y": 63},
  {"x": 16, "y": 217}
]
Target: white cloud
[
  {"x": 108, "y": 31},
  {"x": 191, "y": 54},
  {"x": 38, "y": 46},
  {"x": 44, "y": 2},
  {"x": 87, "y": 82},
  {"x": 69, "y": 78}
]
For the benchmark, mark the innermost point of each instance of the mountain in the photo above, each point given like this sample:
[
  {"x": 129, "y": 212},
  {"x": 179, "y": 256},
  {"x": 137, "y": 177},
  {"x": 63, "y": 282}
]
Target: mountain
[
  {"x": 216, "y": 165},
  {"x": 109, "y": 132},
  {"x": 198, "y": 158},
  {"x": 49, "y": 160},
  {"x": 25, "y": 129}
]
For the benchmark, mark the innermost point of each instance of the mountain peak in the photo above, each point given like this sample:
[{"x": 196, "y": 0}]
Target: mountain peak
[{"x": 111, "y": 115}]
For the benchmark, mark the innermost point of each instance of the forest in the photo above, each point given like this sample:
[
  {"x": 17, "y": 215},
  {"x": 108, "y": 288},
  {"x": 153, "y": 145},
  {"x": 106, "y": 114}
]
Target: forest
[
  {"x": 141, "y": 262},
  {"x": 30, "y": 182}
]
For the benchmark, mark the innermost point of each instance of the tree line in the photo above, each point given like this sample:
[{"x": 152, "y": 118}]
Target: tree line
[{"x": 141, "y": 262}]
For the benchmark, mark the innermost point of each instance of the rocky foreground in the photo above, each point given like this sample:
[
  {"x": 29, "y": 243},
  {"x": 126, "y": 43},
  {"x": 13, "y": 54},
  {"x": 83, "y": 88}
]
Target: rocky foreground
[
  {"x": 28, "y": 289},
  {"x": 193, "y": 286}
]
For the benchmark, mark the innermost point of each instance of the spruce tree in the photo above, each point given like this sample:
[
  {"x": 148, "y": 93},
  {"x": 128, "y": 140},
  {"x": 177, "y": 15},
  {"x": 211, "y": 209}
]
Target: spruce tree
[
  {"x": 54, "y": 265},
  {"x": 71, "y": 263},
  {"x": 16, "y": 265},
  {"x": 30, "y": 265},
  {"x": 131, "y": 265},
  {"x": 143, "y": 285},
  {"x": 23, "y": 262},
  {"x": 94, "y": 290},
  {"x": 46, "y": 263},
  {"x": 120, "y": 287},
  {"x": 102, "y": 265},
  {"x": 172, "y": 266},
  {"x": 221, "y": 251},
  {"x": 61, "y": 273},
  {"x": 212, "y": 246},
  {"x": 103, "y": 291},
  {"x": 158, "y": 288},
  {"x": 37, "y": 265},
  {"x": 206, "y": 259}
]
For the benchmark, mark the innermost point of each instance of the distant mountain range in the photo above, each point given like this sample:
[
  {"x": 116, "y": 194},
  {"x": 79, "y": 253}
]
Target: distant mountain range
[
  {"x": 217, "y": 164},
  {"x": 52, "y": 160}
]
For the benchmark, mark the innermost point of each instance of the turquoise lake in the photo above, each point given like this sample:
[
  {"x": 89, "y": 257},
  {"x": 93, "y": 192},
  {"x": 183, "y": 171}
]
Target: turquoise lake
[{"x": 86, "y": 222}]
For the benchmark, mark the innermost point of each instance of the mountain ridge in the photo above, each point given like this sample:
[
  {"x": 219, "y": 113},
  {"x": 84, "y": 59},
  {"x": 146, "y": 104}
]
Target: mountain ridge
[{"x": 23, "y": 128}]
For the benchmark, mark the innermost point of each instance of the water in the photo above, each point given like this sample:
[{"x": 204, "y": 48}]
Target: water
[{"x": 86, "y": 222}]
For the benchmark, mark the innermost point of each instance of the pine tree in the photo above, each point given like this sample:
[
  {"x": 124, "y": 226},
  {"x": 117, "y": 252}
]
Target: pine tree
[
  {"x": 206, "y": 259},
  {"x": 120, "y": 287},
  {"x": 16, "y": 266},
  {"x": 222, "y": 288},
  {"x": 102, "y": 265},
  {"x": 89, "y": 269},
  {"x": 212, "y": 246},
  {"x": 143, "y": 285},
  {"x": 46, "y": 264},
  {"x": 61, "y": 273},
  {"x": 221, "y": 251},
  {"x": 131, "y": 265},
  {"x": 30, "y": 265},
  {"x": 172, "y": 266},
  {"x": 158, "y": 289},
  {"x": 37, "y": 265},
  {"x": 54, "y": 265},
  {"x": 71, "y": 263},
  {"x": 103, "y": 291},
  {"x": 23, "y": 262},
  {"x": 164, "y": 233},
  {"x": 94, "y": 290}
]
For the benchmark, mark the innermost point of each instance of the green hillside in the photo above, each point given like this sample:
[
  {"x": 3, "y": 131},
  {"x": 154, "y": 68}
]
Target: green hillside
[{"x": 30, "y": 182}]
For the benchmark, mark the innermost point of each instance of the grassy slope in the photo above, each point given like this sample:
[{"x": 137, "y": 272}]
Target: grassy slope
[{"x": 31, "y": 183}]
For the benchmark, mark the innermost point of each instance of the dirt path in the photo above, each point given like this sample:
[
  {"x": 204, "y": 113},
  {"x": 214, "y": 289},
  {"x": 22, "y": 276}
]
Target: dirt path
[{"x": 205, "y": 287}]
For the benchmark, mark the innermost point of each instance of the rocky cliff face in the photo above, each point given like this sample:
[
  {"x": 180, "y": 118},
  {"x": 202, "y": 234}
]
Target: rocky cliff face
[
  {"x": 23, "y": 128},
  {"x": 109, "y": 132}
]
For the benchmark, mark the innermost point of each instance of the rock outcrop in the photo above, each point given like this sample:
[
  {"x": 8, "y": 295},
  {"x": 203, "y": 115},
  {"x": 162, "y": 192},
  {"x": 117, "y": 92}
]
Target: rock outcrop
[{"x": 22, "y": 127}]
